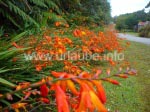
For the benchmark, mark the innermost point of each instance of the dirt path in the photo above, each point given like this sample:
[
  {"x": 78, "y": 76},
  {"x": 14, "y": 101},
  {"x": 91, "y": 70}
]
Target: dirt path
[{"x": 134, "y": 38}]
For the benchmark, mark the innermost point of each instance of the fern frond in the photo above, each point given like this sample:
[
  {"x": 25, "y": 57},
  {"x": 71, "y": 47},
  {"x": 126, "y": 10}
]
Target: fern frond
[
  {"x": 21, "y": 13},
  {"x": 10, "y": 18},
  {"x": 54, "y": 17},
  {"x": 40, "y": 3},
  {"x": 3, "y": 3},
  {"x": 52, "y": 4}
]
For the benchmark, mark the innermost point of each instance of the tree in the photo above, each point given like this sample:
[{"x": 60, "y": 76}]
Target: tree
[
  {"x": 148, "y": 5},
  {"x": 131, "y": 19},
  {"x": 98, "y": 9}
]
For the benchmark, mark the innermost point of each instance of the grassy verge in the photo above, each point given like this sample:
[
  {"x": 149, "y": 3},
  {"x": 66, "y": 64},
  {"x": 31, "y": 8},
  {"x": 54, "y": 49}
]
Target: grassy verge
[
  {"x": 133, "y": 95},
  {"x": 132, "y": 33}
]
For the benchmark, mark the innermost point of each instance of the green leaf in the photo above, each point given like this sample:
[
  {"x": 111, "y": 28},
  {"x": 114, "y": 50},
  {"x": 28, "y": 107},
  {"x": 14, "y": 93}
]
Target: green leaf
[
  {"x": 19, "y": 36},
  {"x": 5, "y": 82},
  {"x": 5, "y": 102},
  {"x": 10, "y": 53},
  {"x": 6, "y": 70},
  {"x": 85, "y": 69}
]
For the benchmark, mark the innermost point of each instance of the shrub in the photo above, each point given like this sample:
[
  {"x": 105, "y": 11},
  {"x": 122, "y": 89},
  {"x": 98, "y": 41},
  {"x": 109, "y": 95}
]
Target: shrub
[{"x": 145, "y": 31}]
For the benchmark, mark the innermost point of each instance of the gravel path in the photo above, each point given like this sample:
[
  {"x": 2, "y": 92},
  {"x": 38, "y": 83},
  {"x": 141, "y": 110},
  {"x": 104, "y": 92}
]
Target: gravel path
[{"x": 134, "y": 38}]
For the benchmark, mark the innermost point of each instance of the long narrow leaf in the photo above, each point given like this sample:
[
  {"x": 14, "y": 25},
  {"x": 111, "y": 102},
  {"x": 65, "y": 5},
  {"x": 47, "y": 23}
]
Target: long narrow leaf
[
  {"x": 18, "y": 37},
  {"x": 5, "y": 82},
  {"x": 6, "y": 70}
]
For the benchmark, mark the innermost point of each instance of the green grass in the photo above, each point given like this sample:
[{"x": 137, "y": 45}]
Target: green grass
[
  {"x": 133, "y": 95},
  {"x": 132, "y": 33}
]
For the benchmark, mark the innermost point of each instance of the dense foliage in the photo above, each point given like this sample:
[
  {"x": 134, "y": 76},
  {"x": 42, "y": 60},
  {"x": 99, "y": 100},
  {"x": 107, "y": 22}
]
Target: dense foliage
[
  {"x": 130, "y": 20},
  {"x": 145, "y": 31},
  {"x": 27, "y": 14}
]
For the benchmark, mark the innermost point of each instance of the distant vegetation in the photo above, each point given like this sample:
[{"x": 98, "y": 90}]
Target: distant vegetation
[{"x": 130, "y": 20}]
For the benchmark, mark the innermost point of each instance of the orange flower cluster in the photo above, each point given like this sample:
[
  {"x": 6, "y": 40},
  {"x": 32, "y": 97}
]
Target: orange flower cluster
[
  {"x": 80, "y": 93},
  {"x": 57, "y": 43},
  {"x": 75, "y": 89},
  {"x": 97, "y": 43},
  {"x": 70, "y": 68},
  {"x": 53, "y": 46},
  {"x": 90, "y": 96}
]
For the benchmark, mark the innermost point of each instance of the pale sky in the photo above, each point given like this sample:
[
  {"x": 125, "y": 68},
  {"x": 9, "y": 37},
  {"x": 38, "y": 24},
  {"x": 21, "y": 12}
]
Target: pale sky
[{"x": 127, "y": 6}]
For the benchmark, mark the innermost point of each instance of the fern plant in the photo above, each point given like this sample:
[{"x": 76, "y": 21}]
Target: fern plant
[
  {"x": 31, "y": 12},
  {"x": 1, "y": 31}
]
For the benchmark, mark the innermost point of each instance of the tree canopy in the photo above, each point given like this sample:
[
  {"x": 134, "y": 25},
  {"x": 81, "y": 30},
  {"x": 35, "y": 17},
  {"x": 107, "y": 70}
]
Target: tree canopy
[{"x": 129, "y": 20}]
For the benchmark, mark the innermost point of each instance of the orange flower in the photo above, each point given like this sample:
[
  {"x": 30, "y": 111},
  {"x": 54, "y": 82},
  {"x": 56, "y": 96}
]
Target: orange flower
[
  {"x": 1, "y": 95},
  {"x": 77, "y": 33},
  {"x": 62, "y": 75},
  {"x": 63, "y": 85},
  {"x": 38, "y": 68},
  {"x": 57, "y": 23},
  {"x": 127, "y": 43},
  {"x": 61, "y": 100},
  {"x": 89, "y": 100},
  {"x": 72, "y": 87},
  {"x": 15, "y": 44},
  {"x": 67, "y": 25},
  {"x": 67, "y": 40},
  {"x": 83, "y": 33},
  {"x": 85, "y": 75},
  {"x": 85, "y": 102},
  {"x": 44, "y": 100},
  {"x": 16, "y": 106},
  {"x": 112, "y": 81},
  {"x": 85, "y": 49},
  {"x": 58, "y": 74},
  {"x": 22, "y": 85},
  {"x": 48, "y": 38},
  {"x": 44, "y": 90},
  {"x": 27, "y": 95},
  {"x": 14, "y": 59},
  {"x": 100, "y": 91},
  {"x": 122, "y": 75},
  {"x": 97, "y": 103},
  {"x": 111, "y": 62}
]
